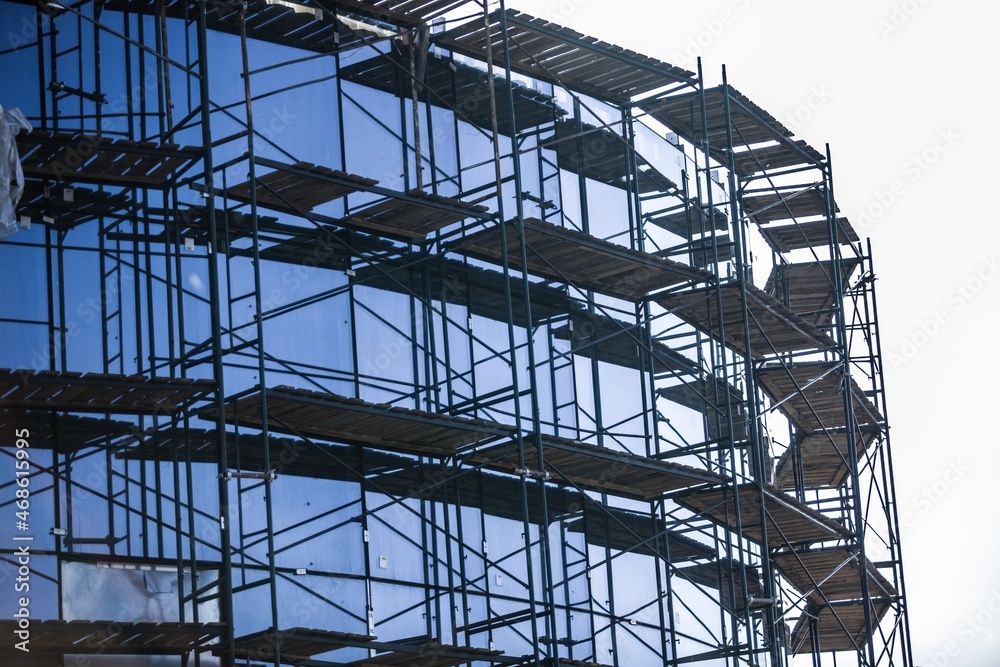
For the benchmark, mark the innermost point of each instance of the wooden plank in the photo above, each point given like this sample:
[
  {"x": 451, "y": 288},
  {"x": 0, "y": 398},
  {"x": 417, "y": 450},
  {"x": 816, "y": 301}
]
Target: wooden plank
[
  {"x": 624, "y": 530},
  {"x": 295, "y": 192},
  {"x": 807, "y": 288},
  {"x": 811, "y": 395},
  {"x": 96, "y": 392},
  {"x": 824, "y": 456},
  {"x": 750, "y": 123},
  {"x": 35, "y": 155},
  {"x": 773, "y": 328},
  {"x": 784, "y": 205},
  {"x": 91, "y": 159},
  {"x": 776, "y": 157},
  {"x": 831, "y": 624},
  {"x": 53, "y": 637},
  {"x": 598, "y": 469},
  {"x": 558, "y": 55},
  {"x": 602, "y": 155},
  {"x": 124, "y": 164},
  {"x": 785, "y": 238},
  {"x": 416, "y": 219},
  {"x": 264, "y": 21},
  {"x": 341, "y": 419},
  {"x": 830, "y": 575},
  {"x": 584, "y": 261},
  {"x": 788, "y": 520}
]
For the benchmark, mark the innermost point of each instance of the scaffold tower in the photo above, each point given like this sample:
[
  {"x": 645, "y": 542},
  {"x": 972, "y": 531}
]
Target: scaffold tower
[{"x": 391, "y": 332}]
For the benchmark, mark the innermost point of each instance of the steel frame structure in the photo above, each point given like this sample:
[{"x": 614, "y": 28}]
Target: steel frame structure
[{"x": 498, "y": 381}]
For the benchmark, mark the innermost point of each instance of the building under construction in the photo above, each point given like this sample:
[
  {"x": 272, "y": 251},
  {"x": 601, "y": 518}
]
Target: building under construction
[{"x": 396, "y": 332}]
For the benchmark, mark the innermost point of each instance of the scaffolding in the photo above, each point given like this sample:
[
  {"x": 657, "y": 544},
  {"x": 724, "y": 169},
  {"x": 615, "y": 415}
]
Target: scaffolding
[{"x": 381, "y": 332}]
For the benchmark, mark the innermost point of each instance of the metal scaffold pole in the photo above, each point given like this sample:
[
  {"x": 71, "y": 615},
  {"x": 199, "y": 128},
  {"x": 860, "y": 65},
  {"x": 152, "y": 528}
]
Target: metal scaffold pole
[{"x": 226, "y": 611}]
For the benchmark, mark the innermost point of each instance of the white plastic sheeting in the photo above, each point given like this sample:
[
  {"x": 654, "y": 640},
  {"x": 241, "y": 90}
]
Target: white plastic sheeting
[
  {"x": 12, "y": 121},
  {"x": 132, "y": 594}
]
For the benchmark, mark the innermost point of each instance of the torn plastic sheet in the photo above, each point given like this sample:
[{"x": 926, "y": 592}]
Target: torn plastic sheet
[{"x": 12, "y": 121}]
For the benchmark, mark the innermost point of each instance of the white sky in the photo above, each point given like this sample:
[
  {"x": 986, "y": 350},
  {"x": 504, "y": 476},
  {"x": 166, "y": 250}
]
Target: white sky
[{"x": 890, "y": 81}]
